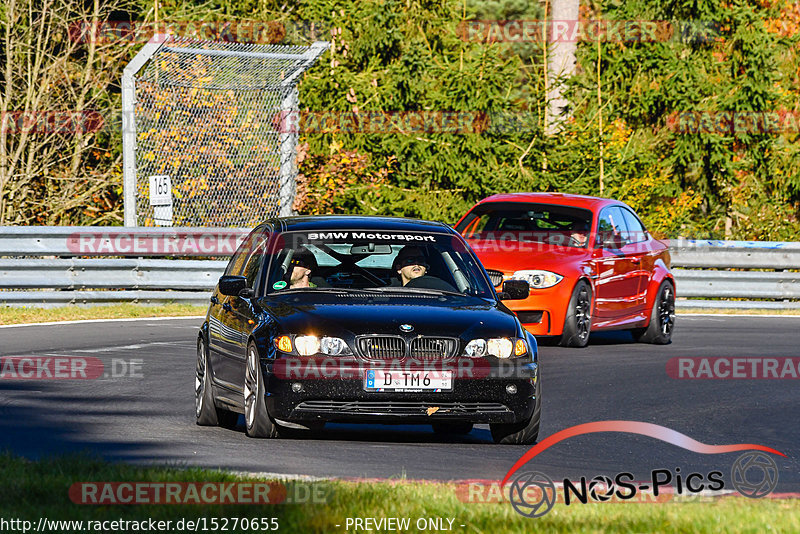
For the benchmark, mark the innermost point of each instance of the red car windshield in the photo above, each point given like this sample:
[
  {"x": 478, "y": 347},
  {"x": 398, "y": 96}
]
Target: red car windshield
[{"x": 528, "y": 222}]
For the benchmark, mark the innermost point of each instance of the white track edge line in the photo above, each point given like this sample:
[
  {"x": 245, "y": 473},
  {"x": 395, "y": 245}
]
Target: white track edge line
[{"x": 80, "y": 321}]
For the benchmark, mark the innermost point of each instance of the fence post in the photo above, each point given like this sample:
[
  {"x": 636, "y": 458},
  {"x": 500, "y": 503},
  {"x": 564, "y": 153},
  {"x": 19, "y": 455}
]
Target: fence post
[
  {"x": 288, "y": 152},
  {"x": 129, "y": 125}
]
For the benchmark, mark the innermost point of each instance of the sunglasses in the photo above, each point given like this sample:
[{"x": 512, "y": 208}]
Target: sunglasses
[
  {"x": 413, "y": 260},
  {"x": 300, "y": 263}
]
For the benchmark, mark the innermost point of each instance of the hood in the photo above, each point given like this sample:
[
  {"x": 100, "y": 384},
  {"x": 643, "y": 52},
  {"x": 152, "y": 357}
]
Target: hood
[{"x": 337, "y": 315}]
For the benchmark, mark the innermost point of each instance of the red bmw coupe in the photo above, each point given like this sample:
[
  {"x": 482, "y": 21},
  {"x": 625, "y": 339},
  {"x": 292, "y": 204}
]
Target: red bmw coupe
[{"x": 590, "y": 263}]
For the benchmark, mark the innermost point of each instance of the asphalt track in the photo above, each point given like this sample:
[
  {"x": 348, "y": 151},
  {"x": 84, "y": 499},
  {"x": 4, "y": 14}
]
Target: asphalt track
[{"x": 149, "y": 419}]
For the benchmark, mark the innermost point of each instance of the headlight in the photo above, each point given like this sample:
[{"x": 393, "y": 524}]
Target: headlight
[
  {"x": 311, "y": 345},
  {"x": 500, "y": 347},
  {"x": 333, "y": 346},
  {"x": 538, "y": 279},
  {"x": 475, "y": 348},
  {"x": 306, "y": 345}
]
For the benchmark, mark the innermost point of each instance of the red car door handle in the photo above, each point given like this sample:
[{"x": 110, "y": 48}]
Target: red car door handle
[{"x": 636, "y": 260}]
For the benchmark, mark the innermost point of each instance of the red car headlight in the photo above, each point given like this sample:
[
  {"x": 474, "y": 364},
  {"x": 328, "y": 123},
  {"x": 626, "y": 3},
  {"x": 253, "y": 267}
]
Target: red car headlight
[{"x": 538, "y": 279}]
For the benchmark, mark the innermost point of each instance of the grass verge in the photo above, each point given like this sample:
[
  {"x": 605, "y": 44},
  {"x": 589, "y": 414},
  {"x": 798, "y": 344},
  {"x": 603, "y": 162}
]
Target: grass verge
[
  {"x": 729, "y": 311},
  {"x": 31, "y": 490},
  {"x": 19, "y": 315}
]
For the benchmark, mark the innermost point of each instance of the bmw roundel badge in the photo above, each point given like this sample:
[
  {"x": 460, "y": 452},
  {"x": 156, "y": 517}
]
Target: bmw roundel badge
[{"x": 406, "y": 328}]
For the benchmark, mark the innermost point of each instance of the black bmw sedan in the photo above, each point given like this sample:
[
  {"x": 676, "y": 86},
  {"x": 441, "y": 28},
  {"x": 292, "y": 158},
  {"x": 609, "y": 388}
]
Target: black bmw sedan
[{"x": 364, "y": 319}]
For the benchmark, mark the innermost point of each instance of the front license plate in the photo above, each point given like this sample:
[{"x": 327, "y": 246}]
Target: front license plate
[{"x": 383, "y": 380}]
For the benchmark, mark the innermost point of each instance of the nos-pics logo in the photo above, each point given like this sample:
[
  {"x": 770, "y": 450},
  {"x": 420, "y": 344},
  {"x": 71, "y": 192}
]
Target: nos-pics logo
[{"x": 533, "y": 494}]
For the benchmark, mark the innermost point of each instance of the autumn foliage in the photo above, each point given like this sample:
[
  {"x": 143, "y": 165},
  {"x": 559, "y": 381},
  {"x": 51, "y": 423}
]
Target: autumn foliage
[{"x": 395, "y": 56}]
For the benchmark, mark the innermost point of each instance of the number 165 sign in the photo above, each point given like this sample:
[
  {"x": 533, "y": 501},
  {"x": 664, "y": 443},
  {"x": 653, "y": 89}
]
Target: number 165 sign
[{"x": 160, "y": 190}]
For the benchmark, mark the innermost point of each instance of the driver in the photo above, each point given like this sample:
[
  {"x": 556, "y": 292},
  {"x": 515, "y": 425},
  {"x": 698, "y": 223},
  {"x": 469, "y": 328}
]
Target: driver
[
  {"x": 410, "y": 264},
  {"x": 412, "y": 267},
  {"x": 579, "y": 232}
]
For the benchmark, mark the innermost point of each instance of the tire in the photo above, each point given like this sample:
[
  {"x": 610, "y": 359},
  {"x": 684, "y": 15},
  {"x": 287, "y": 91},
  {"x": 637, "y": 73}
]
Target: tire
[
  {"x": 206, "y": 412},
  {"x": 524, "y": 433},
  {"x": 257, "y": 421},
  {"x": 662, "y": 318},
  {"x": 452, "y": 428},
  {"x": 578, "y": 322}
]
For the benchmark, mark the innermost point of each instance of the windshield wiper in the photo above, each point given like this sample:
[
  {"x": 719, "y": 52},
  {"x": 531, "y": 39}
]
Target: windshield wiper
[
  {"x": 429, "y": 290},
  {"x": 378, "y": 290},
  {"x": 289, "y": 291}
]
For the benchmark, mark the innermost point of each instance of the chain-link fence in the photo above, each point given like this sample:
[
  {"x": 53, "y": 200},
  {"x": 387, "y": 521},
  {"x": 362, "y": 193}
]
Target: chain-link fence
[{"x": 207, "y": 116}]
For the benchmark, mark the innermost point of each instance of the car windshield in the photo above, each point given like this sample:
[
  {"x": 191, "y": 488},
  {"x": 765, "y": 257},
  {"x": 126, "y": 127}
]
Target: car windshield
[
  {"x": 517, "y": 221},
  {"x": 379, "y": 261}
]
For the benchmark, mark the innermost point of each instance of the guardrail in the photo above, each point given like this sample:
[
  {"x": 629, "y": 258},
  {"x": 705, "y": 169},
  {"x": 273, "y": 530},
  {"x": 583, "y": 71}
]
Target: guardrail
[
  {"x": 141, "y": 280},
  {"x": 702, "y": 272},
  {"x": 118, "y": 241},
  {"x": 47, "y": 266}
]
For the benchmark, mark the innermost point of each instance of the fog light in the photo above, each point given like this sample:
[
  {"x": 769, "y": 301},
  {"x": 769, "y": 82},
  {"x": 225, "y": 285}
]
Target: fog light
[
  {"x": 297, "y": 387},
  {"x": 511, "y": 389}
]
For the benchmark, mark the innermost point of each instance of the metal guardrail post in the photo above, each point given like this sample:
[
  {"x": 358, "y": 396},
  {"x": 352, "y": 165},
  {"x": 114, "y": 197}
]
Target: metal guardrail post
[{"x": 129, "y": 125}]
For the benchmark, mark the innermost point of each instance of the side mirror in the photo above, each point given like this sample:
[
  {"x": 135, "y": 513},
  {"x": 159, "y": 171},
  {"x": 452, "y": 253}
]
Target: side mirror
[
  {"x": 232, "y": 285},
  {"x": 247, "y": 293},
  {"x": 515, "y": 290}
]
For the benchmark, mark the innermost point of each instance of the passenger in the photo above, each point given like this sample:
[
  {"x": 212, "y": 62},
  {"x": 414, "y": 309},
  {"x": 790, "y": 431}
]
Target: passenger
[{"x": 301, "y": 268}]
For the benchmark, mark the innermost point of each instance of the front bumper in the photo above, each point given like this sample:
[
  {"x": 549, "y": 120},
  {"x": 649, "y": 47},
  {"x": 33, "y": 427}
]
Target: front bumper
[
  {"x": 544, "y": 311},
  {"x": 482, "y": 399}
]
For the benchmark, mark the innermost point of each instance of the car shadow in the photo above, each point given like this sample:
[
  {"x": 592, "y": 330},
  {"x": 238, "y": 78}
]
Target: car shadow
[
  {"x": 394, "y": 434},
  {"x": 38, "y": 420},
  {"x": 612, "y": 337},
  {"x": 397, "y": 434},
  {"x": 381, "y": 433}
]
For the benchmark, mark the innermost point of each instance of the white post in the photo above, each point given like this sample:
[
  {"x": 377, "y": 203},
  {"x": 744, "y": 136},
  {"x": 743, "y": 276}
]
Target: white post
[
  {"x": 129, "y": 125},
  {"x": 288, "y": 154},
  {"x": 288, "y": 137},
  {"x": 561, "y": 61}
]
